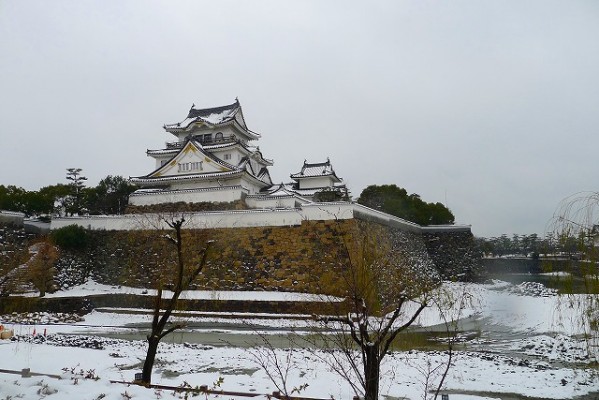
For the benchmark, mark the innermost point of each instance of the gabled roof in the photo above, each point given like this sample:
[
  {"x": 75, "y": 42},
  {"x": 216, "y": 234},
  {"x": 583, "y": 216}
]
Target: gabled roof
[
  {"x": 214, "y": 168},
  {"x": 279, "y": 190},
  {"x": 193, "y": 146},
  {"x": 264, "y": 175},
  {"x": 311, "y": 170},
  {"x": 282, "y": 190}
]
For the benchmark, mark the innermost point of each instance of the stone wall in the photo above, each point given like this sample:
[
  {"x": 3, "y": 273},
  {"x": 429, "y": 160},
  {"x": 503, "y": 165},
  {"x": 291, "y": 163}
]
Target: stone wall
[
  {"x": 304, "y": 258},
  {"x": 454, "y": 254},
  {"x": 14, "y": 253}
]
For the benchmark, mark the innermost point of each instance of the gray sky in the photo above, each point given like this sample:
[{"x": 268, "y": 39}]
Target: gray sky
[{"x": 489, "y": 107}]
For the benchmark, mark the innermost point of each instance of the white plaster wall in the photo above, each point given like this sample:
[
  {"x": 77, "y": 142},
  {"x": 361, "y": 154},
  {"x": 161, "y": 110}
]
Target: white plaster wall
[
  {"x": 112, "y": 222},
  {"x": 160, "y": 159},
  {"x": 212, "y": 184},
  {"x": 227, "y": 131},
  {"x": 205, "y": 220},
  {"x": 236, "y": 154},
  {"x": 272, "y": 202},
  {"x": 189, "y": 196},
  {"x": 327, "y": 211},
  {"x": 315, "y": 182},
  {"x": 12, "y": 217},
  {"x": 204, "y": 130},
  {"x": 364, "y": 212},
  {"x": 249, "y": 218},
  {"x": 250, "y": 185}
]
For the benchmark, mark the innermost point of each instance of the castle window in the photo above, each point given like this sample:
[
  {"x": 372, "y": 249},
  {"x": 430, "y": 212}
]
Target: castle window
[
  {"x": 218, "y": 137},
  {"x": 191, "y": 166},
  {"x": 228, "y": 156},
  {"x": 207, "y": 138}
]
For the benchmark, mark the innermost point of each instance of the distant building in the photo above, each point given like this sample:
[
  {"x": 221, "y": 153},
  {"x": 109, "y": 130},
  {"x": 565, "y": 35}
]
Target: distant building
[
  {"x": 316, "y": 182},
  {"x": 213, "y": 159}
]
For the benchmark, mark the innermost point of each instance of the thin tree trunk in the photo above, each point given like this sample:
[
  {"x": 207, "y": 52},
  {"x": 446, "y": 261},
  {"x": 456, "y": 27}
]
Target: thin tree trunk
[
  {"x": 146, "y": 374},
  {"x": 372, "y": 372},
  {"x": 159, "y": 321}
]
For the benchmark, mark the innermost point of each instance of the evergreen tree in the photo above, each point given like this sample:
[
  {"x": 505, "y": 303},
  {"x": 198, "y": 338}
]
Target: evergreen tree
[
  {"x": 77, "y": 185},
  {"x": 394, "y": 200}
]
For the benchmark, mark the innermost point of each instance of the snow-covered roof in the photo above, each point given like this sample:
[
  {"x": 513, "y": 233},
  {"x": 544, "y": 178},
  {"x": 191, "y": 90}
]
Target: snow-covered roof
[
  {"x": 257, "y": 155},
  {"x": 228, "y": 170},
  {"x": 162, "y": 152},
  {"x": 279, "y": 191},
  {"x": 311, "y": 191},
  {"x": 195, "y": 176},
  {"x": 311, "y": 170},
  {"x": 214, "y": 116}
]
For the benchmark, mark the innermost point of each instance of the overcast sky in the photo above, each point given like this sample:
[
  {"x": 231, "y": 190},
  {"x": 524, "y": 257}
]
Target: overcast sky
[{"x": 490, "y": 107}]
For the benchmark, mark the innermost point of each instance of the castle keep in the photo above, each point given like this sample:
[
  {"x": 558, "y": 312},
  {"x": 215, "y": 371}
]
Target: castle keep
[{"x": 214, "y": 159}]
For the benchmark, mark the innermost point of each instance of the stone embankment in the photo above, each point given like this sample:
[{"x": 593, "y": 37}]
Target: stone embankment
[{"x": 310, "y": 257}]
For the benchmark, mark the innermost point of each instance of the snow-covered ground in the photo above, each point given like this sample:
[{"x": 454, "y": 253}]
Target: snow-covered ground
[
  {"x": 92, "y": 288},
  {"x": 525, "y": 344}
]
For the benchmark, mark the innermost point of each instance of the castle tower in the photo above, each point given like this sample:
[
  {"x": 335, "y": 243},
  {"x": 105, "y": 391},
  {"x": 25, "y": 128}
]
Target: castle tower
[{"x": 211, "y": 160}]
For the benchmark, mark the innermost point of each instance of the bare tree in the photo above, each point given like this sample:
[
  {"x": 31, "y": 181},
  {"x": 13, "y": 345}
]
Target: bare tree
[
  {"x": 187, "y": 268},
  {"x": 277, "y": 366},
  {"x": 449, "y": 302},
  {"x": 388, "y": 282}
]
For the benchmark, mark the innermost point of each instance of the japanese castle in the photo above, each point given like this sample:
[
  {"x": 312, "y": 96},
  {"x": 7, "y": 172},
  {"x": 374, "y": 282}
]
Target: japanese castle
[{"x": 213, "y": 159}]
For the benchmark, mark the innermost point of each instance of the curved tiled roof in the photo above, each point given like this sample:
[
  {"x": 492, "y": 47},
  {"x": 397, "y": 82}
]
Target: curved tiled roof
[
  {"x": 142, "y": 192},
  {"x": 212, "y": 116},
  {"x": 310, "y": 170},
  {"x": 223, "y": 112},
  {"x": 201, "y": 176},
  {"x": 162, "y": 151}
]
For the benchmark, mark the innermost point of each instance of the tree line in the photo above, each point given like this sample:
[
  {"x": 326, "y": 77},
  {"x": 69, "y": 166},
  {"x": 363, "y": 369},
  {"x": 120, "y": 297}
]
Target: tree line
[
  {"x": 532, "y": 245},
  {"x": 110, "y": 196}
]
